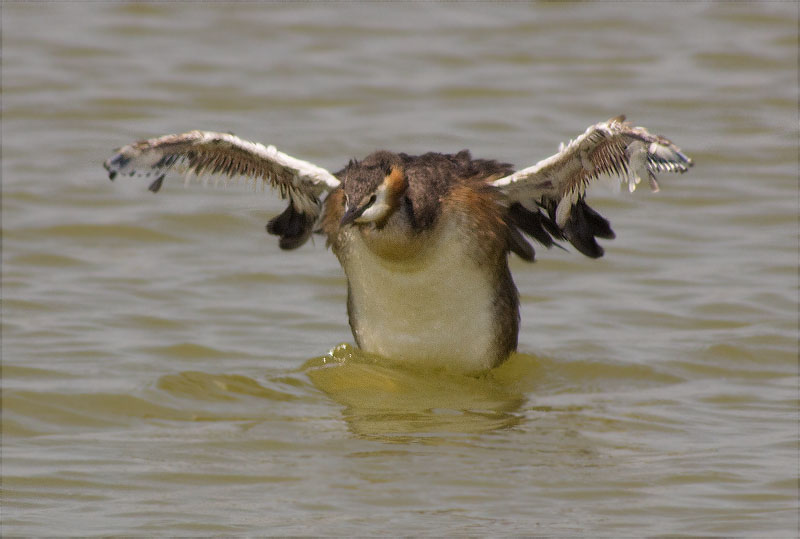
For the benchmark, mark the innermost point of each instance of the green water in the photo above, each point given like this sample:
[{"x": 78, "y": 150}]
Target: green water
[{"x": 167, "y": 370}]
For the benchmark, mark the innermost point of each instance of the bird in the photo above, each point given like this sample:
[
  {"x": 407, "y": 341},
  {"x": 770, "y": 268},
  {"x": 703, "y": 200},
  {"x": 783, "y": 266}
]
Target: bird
[{"x": 424, "y": 240}]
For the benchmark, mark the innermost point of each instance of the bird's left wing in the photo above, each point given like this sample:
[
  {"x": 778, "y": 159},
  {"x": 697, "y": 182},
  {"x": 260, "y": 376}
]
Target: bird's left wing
[
  {"x": 206, "y": 152},
  {"x": 558, "y": 184}
]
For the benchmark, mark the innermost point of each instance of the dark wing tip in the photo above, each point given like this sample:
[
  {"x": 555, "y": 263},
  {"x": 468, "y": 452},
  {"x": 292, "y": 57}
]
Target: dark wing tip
[
  {"x": 535, "y": 224},
  {"x": 111, "y": 173},
  {"x": 520, "y": 246},
  {"x": 293, "y": 227},
  {"x": 156, "y": 185},
  {"x": 583, "y": 226}
]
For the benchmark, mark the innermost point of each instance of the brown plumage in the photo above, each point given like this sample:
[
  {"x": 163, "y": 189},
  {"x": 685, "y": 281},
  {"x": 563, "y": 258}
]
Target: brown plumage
[{"x": 425, "y": 190}]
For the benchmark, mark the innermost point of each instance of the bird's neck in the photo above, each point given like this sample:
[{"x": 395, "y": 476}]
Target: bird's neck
[{"x": 397, "y": 239}]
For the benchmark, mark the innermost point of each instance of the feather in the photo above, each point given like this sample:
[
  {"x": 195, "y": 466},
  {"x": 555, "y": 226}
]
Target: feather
[
  {"x": 559, "y": 182},
  {"x": 612, "y": 147},
  {"x": 293, "y": 227},
  {"x": 224, "y": 155},
  {"x": 198, "y": 153}
]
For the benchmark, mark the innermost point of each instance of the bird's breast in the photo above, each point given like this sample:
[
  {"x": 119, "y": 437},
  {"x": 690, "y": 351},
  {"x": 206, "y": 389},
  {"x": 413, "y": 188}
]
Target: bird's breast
[{"x": 436, "y": 308}]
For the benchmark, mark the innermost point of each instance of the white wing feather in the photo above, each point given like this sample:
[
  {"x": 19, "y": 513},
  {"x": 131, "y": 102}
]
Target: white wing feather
[
  {"x": 612, "y": 147},
  {"x": 199, "y": 152}
]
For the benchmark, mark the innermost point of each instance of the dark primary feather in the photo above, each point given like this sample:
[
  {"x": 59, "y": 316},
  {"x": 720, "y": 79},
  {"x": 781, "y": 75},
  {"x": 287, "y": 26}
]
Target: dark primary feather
[
  {"x": 293, "y": 227},
  {"x": 519, "y": 245},
  {"x": 535, "y": 224},
  {"x": 156, "y": 185},
  {"x": 583, "y": 226}
]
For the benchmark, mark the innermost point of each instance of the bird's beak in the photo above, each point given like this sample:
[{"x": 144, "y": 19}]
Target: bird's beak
[{"x": 351, "y": 214}]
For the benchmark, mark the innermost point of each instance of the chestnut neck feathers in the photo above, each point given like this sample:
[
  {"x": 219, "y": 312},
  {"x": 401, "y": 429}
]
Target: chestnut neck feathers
[{"x": 416, "y": 185}]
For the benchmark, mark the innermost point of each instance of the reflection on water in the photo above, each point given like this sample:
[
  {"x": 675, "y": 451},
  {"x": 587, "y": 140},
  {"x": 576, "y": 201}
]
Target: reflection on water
[
  {"x": 399, "y": 404},
  {"x": 391, "y": 403}
]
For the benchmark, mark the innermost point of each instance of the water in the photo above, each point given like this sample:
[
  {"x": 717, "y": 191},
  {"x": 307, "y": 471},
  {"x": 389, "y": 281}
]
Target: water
[{"x": 168, "y": 371}]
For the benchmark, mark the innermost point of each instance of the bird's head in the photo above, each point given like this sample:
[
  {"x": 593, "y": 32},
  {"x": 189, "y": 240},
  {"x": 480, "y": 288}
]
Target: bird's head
[{"x": 373, "y": 192}]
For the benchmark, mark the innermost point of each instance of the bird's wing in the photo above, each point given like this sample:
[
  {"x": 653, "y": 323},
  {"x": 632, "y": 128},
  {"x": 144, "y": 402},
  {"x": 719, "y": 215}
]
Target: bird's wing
[
  {"x": 558, "y": 183},
  {"x": 206, "y": 152}
]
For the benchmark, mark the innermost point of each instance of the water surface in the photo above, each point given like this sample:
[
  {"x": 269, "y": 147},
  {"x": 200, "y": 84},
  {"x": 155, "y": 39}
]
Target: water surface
[{"x": 168, "y": 371}]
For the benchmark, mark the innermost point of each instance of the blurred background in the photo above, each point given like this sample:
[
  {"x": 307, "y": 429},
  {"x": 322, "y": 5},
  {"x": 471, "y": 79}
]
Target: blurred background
[{"x": 167, "y": 370}]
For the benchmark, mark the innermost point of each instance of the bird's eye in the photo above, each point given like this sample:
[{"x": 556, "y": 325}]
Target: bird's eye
[{"x": 371, "y": 200}]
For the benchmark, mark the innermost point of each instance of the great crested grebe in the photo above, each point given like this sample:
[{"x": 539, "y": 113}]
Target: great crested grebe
[{"x": 424, "y": 240}]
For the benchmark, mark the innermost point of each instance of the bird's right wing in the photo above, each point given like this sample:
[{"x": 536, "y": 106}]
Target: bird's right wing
[
  {"x": 199, "y": 152},
  {"x": 558, "y": 184}
]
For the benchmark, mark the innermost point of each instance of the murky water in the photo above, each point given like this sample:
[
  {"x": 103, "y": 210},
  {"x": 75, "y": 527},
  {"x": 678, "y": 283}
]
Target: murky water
[{"x": 168, "y": 371}]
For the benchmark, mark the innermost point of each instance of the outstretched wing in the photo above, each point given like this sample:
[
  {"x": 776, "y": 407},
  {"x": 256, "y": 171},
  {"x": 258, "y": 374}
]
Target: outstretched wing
[
  {"x": 206, "y": 152},
  {"x": 558, "y": 184}
]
